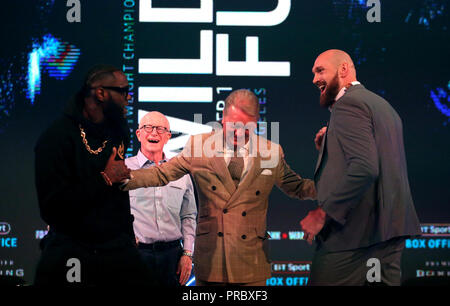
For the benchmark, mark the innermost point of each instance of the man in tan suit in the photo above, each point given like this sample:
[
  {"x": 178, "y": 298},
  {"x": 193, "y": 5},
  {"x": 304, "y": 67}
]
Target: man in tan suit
[{"x": 233, "y": 183}]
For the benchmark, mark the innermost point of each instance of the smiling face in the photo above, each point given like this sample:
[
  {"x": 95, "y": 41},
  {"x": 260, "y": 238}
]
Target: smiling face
[
  {"x": 153, "y": 133},
  {"x": 332, "y": 70},
  {"x": 326, "y": 78}
]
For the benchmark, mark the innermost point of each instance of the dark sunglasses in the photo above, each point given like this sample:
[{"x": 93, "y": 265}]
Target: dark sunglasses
[{"x": 121, "y": 90}]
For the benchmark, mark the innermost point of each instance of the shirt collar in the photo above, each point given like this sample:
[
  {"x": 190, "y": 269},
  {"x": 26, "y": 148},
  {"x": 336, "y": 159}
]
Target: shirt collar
[
  {"x": 224, "y": 149},
  {"x": 143, "y": 160},
  {"x": 244, "y": 150},
  {"x": 342, "y": 92}
]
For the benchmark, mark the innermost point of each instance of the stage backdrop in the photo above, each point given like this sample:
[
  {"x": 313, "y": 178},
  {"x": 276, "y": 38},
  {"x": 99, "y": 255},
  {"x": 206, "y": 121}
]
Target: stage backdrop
[{"x": 184, "y": 57}]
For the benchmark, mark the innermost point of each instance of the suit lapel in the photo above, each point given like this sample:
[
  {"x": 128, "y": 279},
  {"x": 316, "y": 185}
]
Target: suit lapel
[
  {"x": 254, "y": 169},
  {"x": 218, "y": 163},
  {"x": 322, "y": 149},
  {"x": 220, "y": 168}
]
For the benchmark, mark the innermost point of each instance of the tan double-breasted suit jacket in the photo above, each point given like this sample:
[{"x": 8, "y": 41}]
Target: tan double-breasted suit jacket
[{"x": 231, "y": 236}]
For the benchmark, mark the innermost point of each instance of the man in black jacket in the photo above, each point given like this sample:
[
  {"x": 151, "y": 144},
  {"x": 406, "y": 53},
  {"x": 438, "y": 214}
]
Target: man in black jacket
[
  {"x": 91, "y": 239},
  {"x": 365, "y": 205}
]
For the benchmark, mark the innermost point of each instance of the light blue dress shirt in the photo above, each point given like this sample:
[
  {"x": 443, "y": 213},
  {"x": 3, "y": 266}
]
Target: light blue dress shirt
[{"x": 163, "y": 213}]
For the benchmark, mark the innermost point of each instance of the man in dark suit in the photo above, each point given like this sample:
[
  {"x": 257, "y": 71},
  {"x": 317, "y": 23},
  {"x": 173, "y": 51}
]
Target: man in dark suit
[{"x": 365, "y": 205}]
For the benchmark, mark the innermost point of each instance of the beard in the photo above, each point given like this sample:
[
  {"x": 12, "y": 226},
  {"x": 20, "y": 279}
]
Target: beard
[
  {"x": 332, "y": 89},
  {"x": 113, "y": 112},
  {"x": 116, "y": 120}
]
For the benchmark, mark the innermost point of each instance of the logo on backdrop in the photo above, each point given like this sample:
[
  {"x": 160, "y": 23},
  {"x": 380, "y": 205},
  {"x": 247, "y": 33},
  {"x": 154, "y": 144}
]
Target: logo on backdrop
[
  {"x": 6, "y": 242},
  {"x": 5, "y": 228},
  {"x": 7, "y": 268}
]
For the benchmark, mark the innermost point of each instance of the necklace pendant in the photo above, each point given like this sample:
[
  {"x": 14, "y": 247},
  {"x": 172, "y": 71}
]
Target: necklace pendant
[{"x": 121, "y": 150}]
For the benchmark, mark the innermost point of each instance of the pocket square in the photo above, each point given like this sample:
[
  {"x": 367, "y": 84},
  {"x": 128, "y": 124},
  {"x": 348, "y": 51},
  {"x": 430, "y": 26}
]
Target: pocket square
[{"x": 266, "y": 172}]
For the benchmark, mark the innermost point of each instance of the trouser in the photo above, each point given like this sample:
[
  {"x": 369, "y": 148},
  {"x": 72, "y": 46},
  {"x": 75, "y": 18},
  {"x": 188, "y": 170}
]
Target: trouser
[
  {"x": 360, "y": 266},
  {"x": 163, "y": 258},
  {"x": 65, "y": 262}
]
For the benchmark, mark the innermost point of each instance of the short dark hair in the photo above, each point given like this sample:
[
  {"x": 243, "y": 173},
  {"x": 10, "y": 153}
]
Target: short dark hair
[
  {"x": 250, "y": 107},
  {"x": 97, "y": 73}
]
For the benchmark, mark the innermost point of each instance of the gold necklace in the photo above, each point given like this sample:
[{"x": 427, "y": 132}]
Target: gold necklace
[{"x": 83, "y": 136}]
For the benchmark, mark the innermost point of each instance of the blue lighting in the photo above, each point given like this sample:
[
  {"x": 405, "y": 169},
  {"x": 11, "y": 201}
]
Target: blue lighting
[
  {"x": 57, "y": 57},
  {"x": 429, "y": 13},
  {"x": 440, "y": 97},
  {"x": 34, "y": 74},
  {"x": 191, "y": 282}
]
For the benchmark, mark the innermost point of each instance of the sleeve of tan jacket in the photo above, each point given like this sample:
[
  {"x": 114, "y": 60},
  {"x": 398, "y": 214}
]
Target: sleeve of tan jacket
[
  {"x": 161, "y": 175},
  {"x": 291, "y": 183}
]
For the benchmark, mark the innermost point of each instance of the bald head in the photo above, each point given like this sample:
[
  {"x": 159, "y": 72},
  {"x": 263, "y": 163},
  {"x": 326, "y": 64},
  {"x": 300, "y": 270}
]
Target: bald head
[
  {"x": 333, "y": 69},
  {"x": 337, "y": 57},
  {"x": 156, "y": 119},
  {"x": 339, "y": 60}
]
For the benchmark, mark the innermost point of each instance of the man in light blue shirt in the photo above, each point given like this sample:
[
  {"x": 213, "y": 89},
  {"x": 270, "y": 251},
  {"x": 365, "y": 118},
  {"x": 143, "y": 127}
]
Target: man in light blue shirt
[{"x": 163, "y": 216}]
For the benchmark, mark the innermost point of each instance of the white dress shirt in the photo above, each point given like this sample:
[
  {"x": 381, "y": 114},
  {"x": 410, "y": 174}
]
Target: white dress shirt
[
  {"x": 344, "y": 89},
  {"x": 165, "y": 213}
]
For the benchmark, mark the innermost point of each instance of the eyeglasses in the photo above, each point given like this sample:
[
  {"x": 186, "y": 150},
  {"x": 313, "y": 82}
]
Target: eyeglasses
[
  {"x": 121, "y": 90},
  {"x": 149, "y": 129}
]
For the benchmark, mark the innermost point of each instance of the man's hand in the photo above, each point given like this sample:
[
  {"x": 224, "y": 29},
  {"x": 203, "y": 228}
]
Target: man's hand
[
  {"x": 116, "y": 170},
  {"x": 184, "y": 269},
  {"x": 313, "y": 223},
  {"x": 319, "y": 137}
]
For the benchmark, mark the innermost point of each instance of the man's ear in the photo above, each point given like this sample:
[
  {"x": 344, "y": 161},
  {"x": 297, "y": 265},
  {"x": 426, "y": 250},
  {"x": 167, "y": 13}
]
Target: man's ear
[
  {"x": 344, "y": 70},
  {"x": 138, "y": 134},
  {"x": 100, "y": 94}
]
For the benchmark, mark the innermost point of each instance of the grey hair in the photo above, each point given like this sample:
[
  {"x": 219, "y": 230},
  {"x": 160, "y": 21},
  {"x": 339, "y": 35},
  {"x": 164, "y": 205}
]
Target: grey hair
[{"x": 248, "y": 102}]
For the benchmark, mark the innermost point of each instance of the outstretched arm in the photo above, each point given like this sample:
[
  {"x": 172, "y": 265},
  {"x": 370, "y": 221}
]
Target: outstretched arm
[
  {"x": 161, "y": 175},
  {"x": 293, "y": 184}
]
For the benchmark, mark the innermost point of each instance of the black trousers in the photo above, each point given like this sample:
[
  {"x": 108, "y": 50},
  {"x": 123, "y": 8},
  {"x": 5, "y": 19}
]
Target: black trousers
[
  {"x": 350, "y": 268},
  {"x": 117, "y": 262},
  {"x": 163, "y": 259}
]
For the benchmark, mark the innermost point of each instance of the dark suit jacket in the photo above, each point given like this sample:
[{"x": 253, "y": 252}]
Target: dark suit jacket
[{"x": 361, "y": 175}]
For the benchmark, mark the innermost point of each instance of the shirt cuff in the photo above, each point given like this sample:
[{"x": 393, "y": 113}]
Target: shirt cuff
[{"x": 188, "y": 244}]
